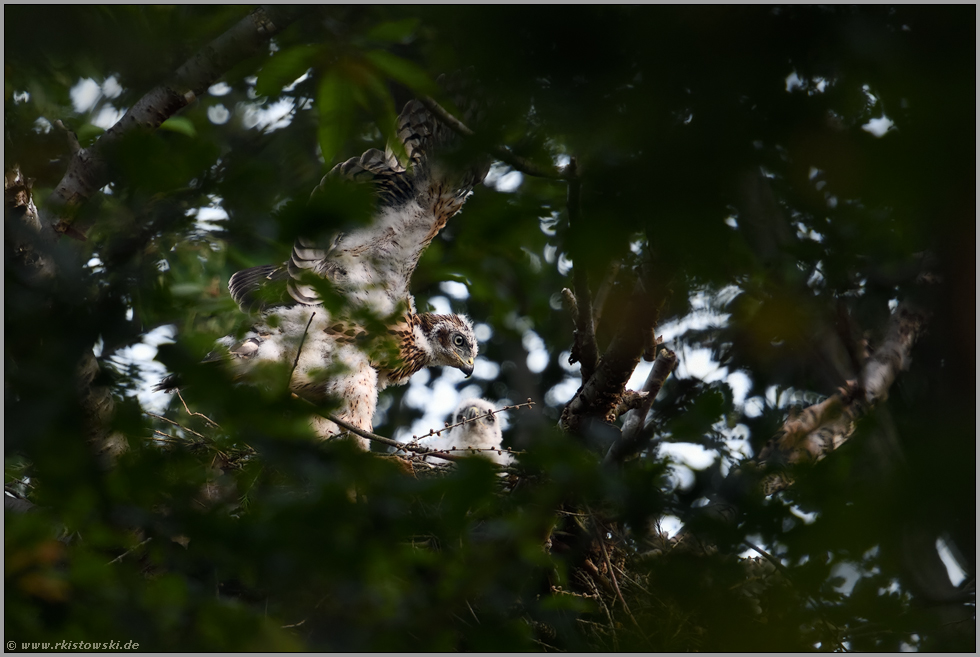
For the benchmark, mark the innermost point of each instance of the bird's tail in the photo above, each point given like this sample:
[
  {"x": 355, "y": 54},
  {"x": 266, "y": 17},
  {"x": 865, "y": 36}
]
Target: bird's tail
[
  {"x": 170, "y": 383},
  {"x": 425, "y": 136}
]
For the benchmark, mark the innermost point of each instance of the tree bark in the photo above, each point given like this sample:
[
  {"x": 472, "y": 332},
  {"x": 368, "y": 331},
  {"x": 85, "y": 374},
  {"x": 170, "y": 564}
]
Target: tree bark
[
  {"x": 600, "y": 393},
  {"x": 633, "y": 437},
  {"x": 88, "y": 169},
  {"x": 822, "y": 428}
]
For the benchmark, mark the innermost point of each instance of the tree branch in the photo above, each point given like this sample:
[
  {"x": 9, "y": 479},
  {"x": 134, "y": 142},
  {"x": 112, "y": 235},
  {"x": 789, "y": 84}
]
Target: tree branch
[
  {"x": 88, "y": 169},
  {"x": 602, "y": 392},
  {"x": 823, "y": 427},
  {"x": 584, "y": 348},
  {"x": 388, "y": 441},
  {"x": 632, "y": 438},
  {"x": 22, "y": 227}
]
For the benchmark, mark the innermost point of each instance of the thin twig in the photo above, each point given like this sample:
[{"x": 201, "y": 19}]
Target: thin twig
[
  {"x": 630, "y": 579},
  {"x": 442, "y": 454},
  {"x": 785, "y": 572},
  {"x": 189, "y": 412},
  {"x": 176, "y": 424},
  {"x": 768, "y": 557},
  {"x": 381, "y": 439},
  {"x": 387, "y": 441},
  {"x": 166, "y": 437},
  {"x": 299, "y": 350},
  {"x": 449, "y": 427},
  {"x": 472, "y": 612},
  {"x": 612, "y": 575},
  {"x": 546, "y": 646},
  {"x": 456, "y": 616},
  {"x": 15, "y": 480},
  {"x": 605, "y": 607},
  {"x": 120, "y": 557}
]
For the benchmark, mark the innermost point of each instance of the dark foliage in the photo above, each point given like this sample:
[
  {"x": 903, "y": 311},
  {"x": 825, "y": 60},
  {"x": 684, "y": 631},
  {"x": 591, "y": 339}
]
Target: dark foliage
[{"x": 727, "y": 157}]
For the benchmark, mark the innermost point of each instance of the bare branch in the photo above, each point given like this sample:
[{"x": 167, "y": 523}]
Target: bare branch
[
  {"x": 129, "y": 551},
  {"x": 602, "y": 392},
  {"x": 299, "y": 350},
  {"x": 192, "y": 413},
  {"x": 570, "y": 301},
  {"x": 424, "y": 451},
  {"x": 632, "y": 438},
  {"x": 165, "y": 419},
  {"x": 88, "y": 171},
  {"x": 598, "y": 537},
  {"x": 73, "y": 145},
  {"x": 631, "y": 399},
  {"x": 23, "y": 237},
  {"x": 650, "y": 343},
  {"x": 820, "y": 429},
  {"x": 449, "y": 427},
  {"x": 894, "y": 354},
  {"x": 823, "y": 427}
]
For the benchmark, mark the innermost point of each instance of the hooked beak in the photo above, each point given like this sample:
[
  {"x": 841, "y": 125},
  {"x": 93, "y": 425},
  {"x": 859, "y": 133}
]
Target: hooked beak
[
  {"x": 471, "y": 413},
  {"x": 466, "y": 366}
]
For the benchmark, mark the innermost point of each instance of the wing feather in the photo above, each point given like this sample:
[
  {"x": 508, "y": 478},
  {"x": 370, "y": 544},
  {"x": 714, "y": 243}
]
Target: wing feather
[
  {"x": 415, "y": 198},
  {"x": 259, "y": 288}
]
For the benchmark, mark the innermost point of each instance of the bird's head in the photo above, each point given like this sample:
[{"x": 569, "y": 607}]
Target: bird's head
[
  {"x": 451, "y": 340},
  {"x": 469, "y": 409},
  {"x": 482, "y": 431}
]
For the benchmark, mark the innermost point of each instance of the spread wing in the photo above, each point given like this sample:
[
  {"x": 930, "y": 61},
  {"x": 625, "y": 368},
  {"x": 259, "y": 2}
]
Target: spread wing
[
  {"x": 416, "y": 194},
  {"x": 264, "y": 286}
]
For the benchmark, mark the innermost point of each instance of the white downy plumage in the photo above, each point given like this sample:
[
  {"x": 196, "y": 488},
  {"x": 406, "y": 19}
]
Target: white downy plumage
[{"x": 480, "y": 431}]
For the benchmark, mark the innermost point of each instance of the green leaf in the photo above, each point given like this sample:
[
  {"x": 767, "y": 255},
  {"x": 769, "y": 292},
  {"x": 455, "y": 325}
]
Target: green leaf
[
  {"x": 376, "y": 98},
  {"x": 180, "y": 124},
  {"x": 88, "y": 133},
  {"x": 402, "y": 31},
  {"x": 402, "y": 71},
  {"x": 283, "y": 68},
  {"x": 336, "y": 99}
]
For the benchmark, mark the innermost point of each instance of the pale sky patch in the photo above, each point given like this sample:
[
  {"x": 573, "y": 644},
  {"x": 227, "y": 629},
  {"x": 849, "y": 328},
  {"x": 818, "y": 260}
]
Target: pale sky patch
[
  {"x": 879, "y": 126},
  {"x": 85, "y": 94}
]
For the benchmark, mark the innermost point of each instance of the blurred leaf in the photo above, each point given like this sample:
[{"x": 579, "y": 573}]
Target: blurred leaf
[
  {"x": 284, "y": 67},
  {"x": 401, "y": 31},
  {"x": 336, "y": 98},
  {"x": 402, "y": 71},
  {"x": 180, "y": 124},
  {"x": 88, "y": 133},
  {"x": 723, "y": 158}
]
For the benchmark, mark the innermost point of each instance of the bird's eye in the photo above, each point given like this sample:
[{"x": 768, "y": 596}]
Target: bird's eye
[
  {"x": 458, "y": 340},
  {"x": 490, "y": 419}
]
